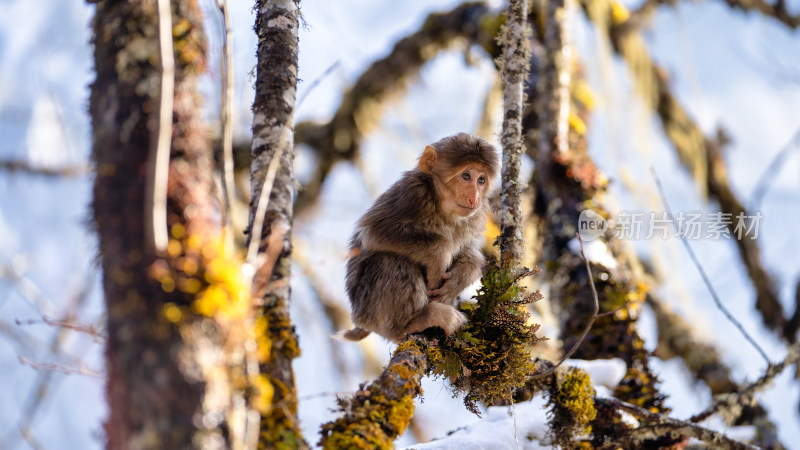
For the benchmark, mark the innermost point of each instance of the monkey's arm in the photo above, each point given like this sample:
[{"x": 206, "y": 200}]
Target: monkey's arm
[{"x": 466, "y": 268}]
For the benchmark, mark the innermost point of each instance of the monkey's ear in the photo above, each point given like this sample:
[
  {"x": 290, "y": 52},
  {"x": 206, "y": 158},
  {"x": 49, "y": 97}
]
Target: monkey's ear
[{"x": 428, "y": 159}]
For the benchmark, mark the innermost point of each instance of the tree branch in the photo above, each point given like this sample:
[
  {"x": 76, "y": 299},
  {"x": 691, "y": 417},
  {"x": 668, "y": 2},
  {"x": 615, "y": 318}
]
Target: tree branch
[
  {"x": 26, "y": 167},
  {"x": 731, "y": 402},
  {"x": 381, "y": 412},
  {"x": 657, "y": 425}
]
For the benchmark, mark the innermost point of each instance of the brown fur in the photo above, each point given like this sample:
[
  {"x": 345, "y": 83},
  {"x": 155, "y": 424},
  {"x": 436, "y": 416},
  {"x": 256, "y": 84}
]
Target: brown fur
[{"x": 419, "y": 245}]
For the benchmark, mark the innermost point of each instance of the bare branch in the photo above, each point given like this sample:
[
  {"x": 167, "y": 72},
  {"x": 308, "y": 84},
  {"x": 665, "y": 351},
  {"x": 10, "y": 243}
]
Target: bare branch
[
  {"x": 703, "y": 274},
  {"x": 776, "y": 10},
  {"x": 27, "y": 168},
  {"x": 735, "y": 400},
  {"x": 770, "y": 173},
  {"x": 659, "y": 424},
  {"x": 226, "y": 64},
  {"x": 53, "y": 367},
  {"x": 29, "y": 291}
]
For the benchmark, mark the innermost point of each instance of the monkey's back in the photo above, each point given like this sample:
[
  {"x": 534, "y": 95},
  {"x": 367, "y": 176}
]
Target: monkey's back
[{"x": 385, "y": 290}]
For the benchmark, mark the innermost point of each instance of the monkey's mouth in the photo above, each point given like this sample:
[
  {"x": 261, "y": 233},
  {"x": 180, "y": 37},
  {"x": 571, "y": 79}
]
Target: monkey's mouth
[{"x": 467, "y": 210}]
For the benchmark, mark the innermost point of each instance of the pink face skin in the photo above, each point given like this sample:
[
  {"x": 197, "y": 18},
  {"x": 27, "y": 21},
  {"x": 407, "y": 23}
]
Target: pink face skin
[{"x": 467, "y": 187}]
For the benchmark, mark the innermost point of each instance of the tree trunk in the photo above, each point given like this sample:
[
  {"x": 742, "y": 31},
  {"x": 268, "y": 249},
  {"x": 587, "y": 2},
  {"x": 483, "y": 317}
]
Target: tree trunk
[
  {"x": 271, "y": 178},
  {"x": 514, "y": 64},
  {"x": 162, "y": 342}
]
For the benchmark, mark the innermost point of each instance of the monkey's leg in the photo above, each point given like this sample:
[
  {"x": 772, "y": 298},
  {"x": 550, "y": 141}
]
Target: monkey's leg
[
  {"x": 434, "y": 314},
  {"x": 385, "y": 290},
  {"x": 466, "y": 268}
]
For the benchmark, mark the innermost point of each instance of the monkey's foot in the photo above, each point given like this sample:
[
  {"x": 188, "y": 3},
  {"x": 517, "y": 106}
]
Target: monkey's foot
[{"x": 436, "y": 314}]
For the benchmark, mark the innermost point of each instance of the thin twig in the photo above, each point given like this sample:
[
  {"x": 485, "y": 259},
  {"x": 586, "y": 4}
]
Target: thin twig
[
  {"x": 769, "y": 174},
  {"x": 155, "y": 209},
  {"x": 588, "y": 324},
  {"x": 316, "y": 82},
  {"x": 26, "y": 167},
  {"x": 226, "y": 64},
  {"x": 67, "y": 324},
  {"x": 53, "y": 367},
  {"x": 28, "y": 289},
  {"x": 702, "y": 271},
  {"x": 744, "y": 396}
]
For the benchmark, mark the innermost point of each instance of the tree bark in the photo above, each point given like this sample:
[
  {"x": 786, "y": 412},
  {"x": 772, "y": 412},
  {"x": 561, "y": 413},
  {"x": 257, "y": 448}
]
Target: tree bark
[
  {"x": 273, "y": 137},
  {"x": 159, "y": 347},
  {"x": 514, "y": 65}
]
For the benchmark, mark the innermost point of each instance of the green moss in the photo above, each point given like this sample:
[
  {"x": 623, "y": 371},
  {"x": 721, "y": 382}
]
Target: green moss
[{"x": 488, "y": 358}]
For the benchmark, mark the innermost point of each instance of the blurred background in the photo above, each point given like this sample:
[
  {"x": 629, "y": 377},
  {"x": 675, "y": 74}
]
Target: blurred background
[{"x": 728, "y": 68}]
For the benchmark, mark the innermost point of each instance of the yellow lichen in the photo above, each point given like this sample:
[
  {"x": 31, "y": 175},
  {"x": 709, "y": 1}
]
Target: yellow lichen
[
  {"x": 572, "y": 402},
  {"x": 264, "y": 392},
  {"x": 577, "y": 124},
  {"x": 178, "y": 231},
  {"x": 263, "y": 341},
  {"x": 174, "y": 248}
]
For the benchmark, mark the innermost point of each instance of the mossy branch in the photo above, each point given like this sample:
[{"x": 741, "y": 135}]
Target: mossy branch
[
  {"x": 380, "y": 412},
  {"x": 486, "y": 361}
]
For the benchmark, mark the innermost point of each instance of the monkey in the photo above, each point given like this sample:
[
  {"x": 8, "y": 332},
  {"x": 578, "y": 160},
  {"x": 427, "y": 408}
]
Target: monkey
[{"x": 419, "y": 245}]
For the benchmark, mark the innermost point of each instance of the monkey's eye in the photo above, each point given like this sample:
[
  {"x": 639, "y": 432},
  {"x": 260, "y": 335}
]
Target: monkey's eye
[
  {"x": 465, "y": 176},
  {"x": 481, "y": 180}
]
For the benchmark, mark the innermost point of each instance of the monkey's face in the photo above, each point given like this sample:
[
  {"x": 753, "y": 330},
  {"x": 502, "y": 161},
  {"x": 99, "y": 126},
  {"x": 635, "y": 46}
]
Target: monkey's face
[{"x": 466, "y": 188}]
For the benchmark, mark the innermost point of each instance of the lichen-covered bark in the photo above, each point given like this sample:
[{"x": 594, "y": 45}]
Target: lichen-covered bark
[
  {"x": 513, "y": 62},
  {"x": 380, "y": 412},
  {"x": 158, "y": 388},
  {"x": 273, "y": 115},
  {"x": 363, "y": 104},
  {"x": 656, "y": 427}
]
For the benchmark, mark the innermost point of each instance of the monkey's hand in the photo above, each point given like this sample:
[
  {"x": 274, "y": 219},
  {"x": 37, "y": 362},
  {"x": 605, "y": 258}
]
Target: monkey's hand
[{"x": 446, "y": 293}]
